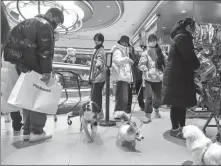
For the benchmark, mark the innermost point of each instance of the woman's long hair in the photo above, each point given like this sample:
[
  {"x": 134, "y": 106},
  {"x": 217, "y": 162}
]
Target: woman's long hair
[{"x": 160, "y": 62}]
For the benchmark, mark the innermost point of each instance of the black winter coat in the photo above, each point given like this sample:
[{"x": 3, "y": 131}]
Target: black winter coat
[
  {"x": 31, "y": 45},
  {"x": 178, "y": 81}
]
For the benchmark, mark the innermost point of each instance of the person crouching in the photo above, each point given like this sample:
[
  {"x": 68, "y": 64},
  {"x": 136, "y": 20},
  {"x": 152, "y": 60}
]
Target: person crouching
[{"x": 152, "y": 64}]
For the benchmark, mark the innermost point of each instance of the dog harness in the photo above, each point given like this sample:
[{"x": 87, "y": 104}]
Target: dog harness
[{"x": 202, "y": 159}]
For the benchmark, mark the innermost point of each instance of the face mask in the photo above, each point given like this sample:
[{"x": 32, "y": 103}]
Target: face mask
[
  {"x": 152, "y": 44},
  {"x": 54, "y": 24}
]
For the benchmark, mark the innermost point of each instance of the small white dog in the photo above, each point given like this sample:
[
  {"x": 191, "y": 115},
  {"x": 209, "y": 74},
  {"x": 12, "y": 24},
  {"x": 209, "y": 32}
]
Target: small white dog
[
  {"x": 204, "y": 151},
  {"x": 129, "y": 132}
]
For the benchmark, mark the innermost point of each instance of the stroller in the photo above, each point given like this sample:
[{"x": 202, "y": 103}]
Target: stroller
[{"x": 207, "y": 81}]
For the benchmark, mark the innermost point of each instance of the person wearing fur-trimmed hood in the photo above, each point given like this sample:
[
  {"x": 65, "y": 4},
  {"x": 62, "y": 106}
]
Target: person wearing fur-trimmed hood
[{"x": 122, "y": 74}]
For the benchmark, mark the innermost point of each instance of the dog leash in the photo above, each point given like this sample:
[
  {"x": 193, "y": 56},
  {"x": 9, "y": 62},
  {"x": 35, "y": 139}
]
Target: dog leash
[{"x": 136, "y": 102}]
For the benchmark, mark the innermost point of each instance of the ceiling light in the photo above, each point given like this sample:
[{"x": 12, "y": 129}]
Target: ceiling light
[
  {"x": 148, "y": 17},
  {"x": 183, "y": 11},
  {"x": 164, "y": 27},
  {"x": 151, "y": 21},
  {"x": 73, "y": 13},
  {"x": 108, "y": 6},
  {"x": 135, "y": 39},
  {"x": 99, "y": 20}
]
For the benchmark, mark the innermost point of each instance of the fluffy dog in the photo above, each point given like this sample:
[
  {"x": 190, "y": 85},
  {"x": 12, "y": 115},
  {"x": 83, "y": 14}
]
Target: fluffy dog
[
  {"x": 129, "y": 132},
  {"x": 89, "y": 115},
  {"x": 204, "y": 151}
]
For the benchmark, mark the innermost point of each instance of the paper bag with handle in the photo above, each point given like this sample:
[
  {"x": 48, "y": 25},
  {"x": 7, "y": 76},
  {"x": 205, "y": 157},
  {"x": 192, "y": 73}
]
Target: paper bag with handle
[{"x": 31, "y": 93}]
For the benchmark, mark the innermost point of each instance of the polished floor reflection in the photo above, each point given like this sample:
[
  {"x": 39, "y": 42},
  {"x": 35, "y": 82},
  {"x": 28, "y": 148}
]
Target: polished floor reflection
[{"x": 69, "y": 147}]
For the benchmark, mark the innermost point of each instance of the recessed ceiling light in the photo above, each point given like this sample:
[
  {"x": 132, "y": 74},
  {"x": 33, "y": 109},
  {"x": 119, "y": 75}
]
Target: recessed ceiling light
[
  {"x": 183, "y": 11},
  {"x": 164, "y": 27},
  {"x": 108, "y": 6},
  {"x": 99, "y": 20}
]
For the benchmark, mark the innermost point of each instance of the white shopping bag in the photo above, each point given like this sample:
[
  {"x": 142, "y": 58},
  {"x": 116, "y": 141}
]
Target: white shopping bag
[
  {"x": 9, "y": 77},
  {"x": 33, "y": 94}
]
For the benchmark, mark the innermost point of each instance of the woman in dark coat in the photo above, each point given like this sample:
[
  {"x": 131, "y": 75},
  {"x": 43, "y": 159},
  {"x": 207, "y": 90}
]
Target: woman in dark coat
[{"x": 178, "y": 81}]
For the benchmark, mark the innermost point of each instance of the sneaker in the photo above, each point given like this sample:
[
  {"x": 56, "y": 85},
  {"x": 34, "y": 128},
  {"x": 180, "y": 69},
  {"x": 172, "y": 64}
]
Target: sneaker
[
  {"x": 117, "y": 114},
  {"x": 18, "y": 128},
  {"x": 157, "y": 114},
  {"x": 26, "y": 137},
  {"x": 101, "y": 115},
  {"x": 176, "y": 133},
  {"x": 36, "y": 138},
  {"x": 147, "y": 118}
]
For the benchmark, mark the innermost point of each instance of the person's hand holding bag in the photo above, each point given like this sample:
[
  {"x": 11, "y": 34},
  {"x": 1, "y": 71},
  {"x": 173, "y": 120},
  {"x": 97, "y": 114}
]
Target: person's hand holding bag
[{"x": 46, "y": 78}]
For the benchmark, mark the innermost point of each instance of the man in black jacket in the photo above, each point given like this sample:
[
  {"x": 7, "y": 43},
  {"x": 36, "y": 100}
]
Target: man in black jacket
[{"x": 31, "y": 47}]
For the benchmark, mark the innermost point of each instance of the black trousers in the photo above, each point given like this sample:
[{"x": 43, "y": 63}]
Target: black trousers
[
  {"x": 123, "y": 97},
  {"x": 138, "y": 85},
  {"x": 178, "y": 117},
  {"x": 96, "y": 93},
  {"x": 16, "y": 120}
]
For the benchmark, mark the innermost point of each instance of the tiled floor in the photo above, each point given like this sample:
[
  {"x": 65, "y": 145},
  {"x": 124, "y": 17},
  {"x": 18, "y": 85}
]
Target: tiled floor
[{"x": 69, "y": 147}]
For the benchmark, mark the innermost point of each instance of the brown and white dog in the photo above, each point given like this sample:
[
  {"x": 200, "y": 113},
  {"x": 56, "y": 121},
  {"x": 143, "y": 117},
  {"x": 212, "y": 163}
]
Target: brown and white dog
[
  {"x": 89, "y": 115},
  {"x": 129, "y": 132}
]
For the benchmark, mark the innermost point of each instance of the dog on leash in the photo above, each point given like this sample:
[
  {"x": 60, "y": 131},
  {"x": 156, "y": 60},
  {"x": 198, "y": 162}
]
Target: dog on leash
[
  {"x": 204, "y": 151},
  {"x": 129, "y": 132},
  {"x": 89, "y": 116}
]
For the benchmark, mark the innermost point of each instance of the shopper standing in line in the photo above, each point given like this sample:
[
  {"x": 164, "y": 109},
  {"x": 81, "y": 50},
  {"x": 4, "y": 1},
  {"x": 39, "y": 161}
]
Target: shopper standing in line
[
  {"x": 122, "y": 74},
  {"x": 178, "y": 81},
  {"x": 97, "y": 72},
  {"x": 31, "y": 47},
  {"x": 152, "y": 64},
  {"x": 137, "y": 77}
]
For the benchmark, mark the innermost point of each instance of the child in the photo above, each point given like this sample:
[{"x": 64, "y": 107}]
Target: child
[{"x": 152, "y": 64}]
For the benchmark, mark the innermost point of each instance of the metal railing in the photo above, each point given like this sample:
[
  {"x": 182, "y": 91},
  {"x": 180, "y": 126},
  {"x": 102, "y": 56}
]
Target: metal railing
[{"x": 81, "y": 70}]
